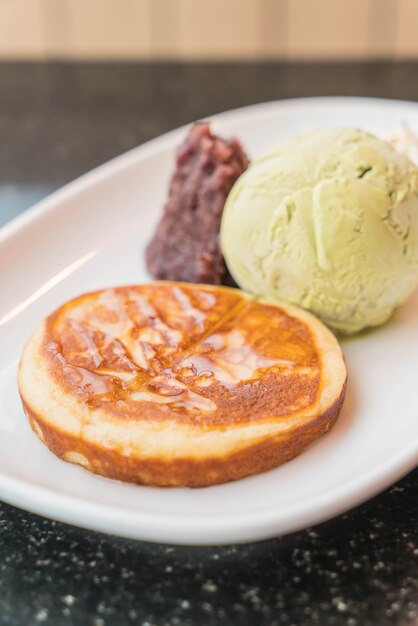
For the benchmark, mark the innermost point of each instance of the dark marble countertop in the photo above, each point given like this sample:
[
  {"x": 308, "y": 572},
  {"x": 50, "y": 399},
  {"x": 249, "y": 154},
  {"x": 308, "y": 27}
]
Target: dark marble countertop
[{"x": 361, "y": 569}]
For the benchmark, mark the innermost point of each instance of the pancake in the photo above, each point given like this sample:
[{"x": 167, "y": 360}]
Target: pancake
[{"x": 172, "y": 384}]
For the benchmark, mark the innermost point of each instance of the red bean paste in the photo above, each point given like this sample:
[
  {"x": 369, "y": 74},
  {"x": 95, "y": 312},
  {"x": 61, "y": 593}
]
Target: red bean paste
[{"x": 186, "y": 246}]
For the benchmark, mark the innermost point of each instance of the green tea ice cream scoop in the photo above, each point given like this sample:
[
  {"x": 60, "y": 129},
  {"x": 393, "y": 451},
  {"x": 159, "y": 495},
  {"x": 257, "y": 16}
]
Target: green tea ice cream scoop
[{"x": 327, "y": 221}]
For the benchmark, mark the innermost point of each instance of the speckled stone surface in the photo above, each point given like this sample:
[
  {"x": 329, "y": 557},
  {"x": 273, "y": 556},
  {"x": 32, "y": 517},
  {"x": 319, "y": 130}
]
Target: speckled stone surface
[
  {"x": 361, "y": 569},
  {"x": 358, "y": 570}
]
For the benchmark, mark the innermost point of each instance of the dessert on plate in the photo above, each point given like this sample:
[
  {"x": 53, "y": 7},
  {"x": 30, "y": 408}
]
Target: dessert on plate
[
  {"x": 178, "y": 384},
  {"x": 171, "y": 384}
]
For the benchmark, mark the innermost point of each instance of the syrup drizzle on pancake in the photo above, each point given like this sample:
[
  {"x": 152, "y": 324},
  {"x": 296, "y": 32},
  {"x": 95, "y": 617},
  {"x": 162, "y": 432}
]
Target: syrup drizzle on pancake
[{"x": 170, "y": 350}]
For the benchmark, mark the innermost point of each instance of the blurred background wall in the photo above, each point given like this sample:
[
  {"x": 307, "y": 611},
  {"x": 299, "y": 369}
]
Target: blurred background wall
[{"x": 208, "y": 29}]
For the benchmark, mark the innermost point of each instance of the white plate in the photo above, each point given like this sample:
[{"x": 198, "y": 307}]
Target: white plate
[{"x": 92, "y": 234}]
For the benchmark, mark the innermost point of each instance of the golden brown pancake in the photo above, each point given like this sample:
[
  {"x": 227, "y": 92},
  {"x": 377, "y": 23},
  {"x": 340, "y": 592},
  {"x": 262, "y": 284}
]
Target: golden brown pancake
[{"x": 173, "y": 384}]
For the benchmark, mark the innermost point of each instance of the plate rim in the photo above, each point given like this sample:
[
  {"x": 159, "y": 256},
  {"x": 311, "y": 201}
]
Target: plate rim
[
  {"x": 220, "y": 529},
  {"x": 96, "y": 174}
]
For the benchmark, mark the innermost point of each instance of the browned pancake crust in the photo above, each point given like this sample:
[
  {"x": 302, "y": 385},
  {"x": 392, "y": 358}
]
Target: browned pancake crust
[
  {"x": 183, "y": 472},
  {"x": 198, "y": 352},
  {"x": 200, "y": 363}
]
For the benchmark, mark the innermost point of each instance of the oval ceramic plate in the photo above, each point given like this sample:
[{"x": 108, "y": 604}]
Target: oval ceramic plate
[{"x": 92, "y": 234}]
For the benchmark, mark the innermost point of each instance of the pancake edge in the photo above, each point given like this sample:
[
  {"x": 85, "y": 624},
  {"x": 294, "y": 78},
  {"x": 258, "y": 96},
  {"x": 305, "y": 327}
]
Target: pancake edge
[{"x": 188, "y": 471}]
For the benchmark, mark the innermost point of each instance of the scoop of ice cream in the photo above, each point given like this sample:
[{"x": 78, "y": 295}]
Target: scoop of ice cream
[{"x": 327, "y": 221}]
